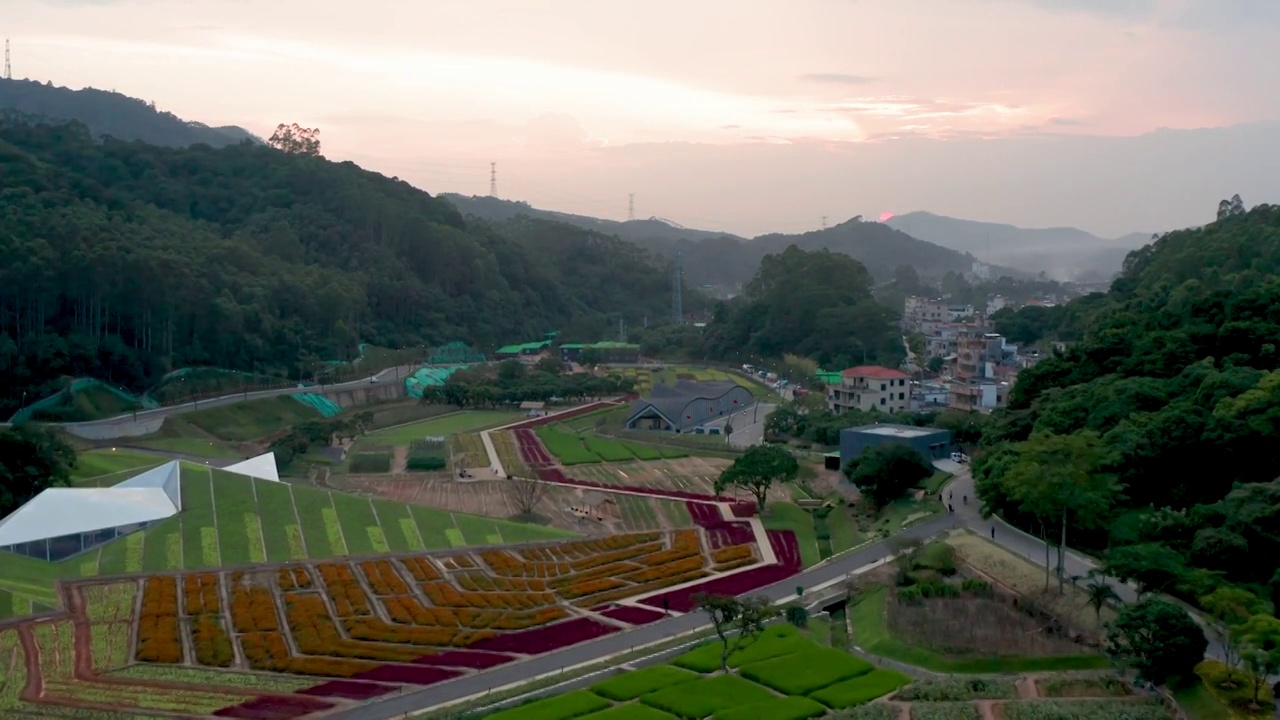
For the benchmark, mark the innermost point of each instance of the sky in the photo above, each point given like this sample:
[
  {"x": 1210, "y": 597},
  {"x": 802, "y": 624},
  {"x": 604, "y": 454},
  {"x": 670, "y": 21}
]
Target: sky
[{"x": 749, "y": 116}]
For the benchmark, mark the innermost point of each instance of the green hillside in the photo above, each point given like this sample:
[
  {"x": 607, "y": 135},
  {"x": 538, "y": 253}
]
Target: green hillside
[
  {"x": 1169, "y": 404},
  {"x": 231, "y": 520}
]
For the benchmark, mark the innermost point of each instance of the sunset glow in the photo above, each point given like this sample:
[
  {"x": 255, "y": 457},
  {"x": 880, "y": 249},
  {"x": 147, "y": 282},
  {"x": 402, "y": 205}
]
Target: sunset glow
[{"x": 886, "y": 216}]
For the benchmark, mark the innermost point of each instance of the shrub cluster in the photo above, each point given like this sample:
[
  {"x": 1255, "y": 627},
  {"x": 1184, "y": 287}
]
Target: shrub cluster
[
  {"x": 590, "y": 587},
  {"x": 374, "y": 630},
  {"x": 203, "y": 603},
  {"x": 344, "y": 590},
  {"x": 268, "y": 651},
  {"x": 421, "y": 569},
  {"x": 732, "y": 553},
  {"x": 483, "y": 582},
  {"x": 409, "y": 611},
  {"x": 294, "y": 578},
  {"x": 158, "y": 638},
  {"x": 684, "y": 544},
  {"x": 200, "y": 594},
  {"x": 666, "y": 570},
  {"x": 316, "y": 634},
  {"x": 633, "y": 590},
  {"x": 726, "y": 567},
  {"x": 461, "y": 561},
  {"x": 253, "y": 609},
  {"x": 383, "y": 578}
]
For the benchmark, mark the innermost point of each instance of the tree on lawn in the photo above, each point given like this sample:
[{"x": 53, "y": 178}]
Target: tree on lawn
[
  {"x": 1059, "y": 480},
  {"x": 1156, "y": 638},
  {"x": 524, "y": 493},
  {"x": 758, "y": 469},
  {"x": 1231, "y": 608},
  {"x": 743, "y": 619},
  {"x": 1260, "y": 641},
  {"x": 885, "y": 472}
]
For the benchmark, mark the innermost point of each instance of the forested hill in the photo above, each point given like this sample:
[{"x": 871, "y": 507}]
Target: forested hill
[
  {"x": 722, "y": 259},
  {"x": 124, "y": 260},
  {"x": 113, "y": 114},
  {"x": 1173, "y": 392}
]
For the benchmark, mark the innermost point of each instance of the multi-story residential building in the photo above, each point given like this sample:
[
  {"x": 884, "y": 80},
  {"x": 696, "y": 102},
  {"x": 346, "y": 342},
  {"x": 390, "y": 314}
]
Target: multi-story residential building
[
  {"x": 870, "y": 387},
  {"x": 985, "y": 367},
  {"x": 918, "y": 310}
]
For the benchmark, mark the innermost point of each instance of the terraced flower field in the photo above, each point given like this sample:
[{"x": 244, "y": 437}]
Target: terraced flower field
[{"x": 191, "y": 641}]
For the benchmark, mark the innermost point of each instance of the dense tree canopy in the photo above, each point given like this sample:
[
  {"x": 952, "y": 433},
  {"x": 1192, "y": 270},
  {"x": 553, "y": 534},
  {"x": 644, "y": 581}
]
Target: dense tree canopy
[
  {"x": 31, "y": 460},
  {"x": 127, "y": 260},
  {"x": 1177, "y": 377}
]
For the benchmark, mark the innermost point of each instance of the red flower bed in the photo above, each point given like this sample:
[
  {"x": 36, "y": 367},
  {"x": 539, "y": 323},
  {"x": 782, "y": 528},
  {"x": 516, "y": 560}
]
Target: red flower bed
[
  {"x": 784, "y": 546},
  {"x": 632, "y": 615},
  {"x": 546, "y": 638},
  {"x": 408, "y": 674},
  {"x": 465, "y": 659},
  {"x": 348, "y": 689},
  {"x": 274, "y": 707},
  {"x": 720, "y": 532},
  {"x": 531, "y": 449}
]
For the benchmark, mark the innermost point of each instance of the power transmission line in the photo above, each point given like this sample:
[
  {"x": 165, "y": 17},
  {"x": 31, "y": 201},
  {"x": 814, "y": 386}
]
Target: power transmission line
[
  {"x": 493, "y": 179},
  {"x": 8, "y": 67},
  {"x": 824, "y": 222},
  {"x": 631, "y": 206}
]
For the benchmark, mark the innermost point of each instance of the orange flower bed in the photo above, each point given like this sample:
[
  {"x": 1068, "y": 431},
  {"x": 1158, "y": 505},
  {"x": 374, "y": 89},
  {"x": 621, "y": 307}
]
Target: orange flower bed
[
  {"x": 315, "y": 633},
  {"x": 344, "y": 590},
  {"x": 375, "y": 630},
  {"x": 422, "y": 569},
  {"x": 732, "y": 553},
  {"x": 200, "y": 594},
  {"x": 443, "y": 594},
  {"x": 268, "y": 651},
  {"x": 461, "y": 561},
  {"x": 408, "y": 610},
  {"x": 635, "y": 590},
  {"x": 253, "y": 610},
  {"x": 679, "y": 567},
  {"x": 591, "y": 587},
  {"x": 158, "y": 638},
  {"x": 614, "y": 556},
  {"x": 684, "y": 544},
  {"x": 383, "y": 578},
  {"x": 726, "y": 567},
  {"x": 294, "y": 578},
  {"x": 525, "y": 620},
  {"x": 212, "y": 644},
  {"x": 599, "y": 572}
]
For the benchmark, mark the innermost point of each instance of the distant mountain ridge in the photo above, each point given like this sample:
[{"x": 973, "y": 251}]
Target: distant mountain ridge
[
  {"x": 115, "y": 115},
  {"x": 726, "y": 260},
  {"x": 1062, "y": 253}
]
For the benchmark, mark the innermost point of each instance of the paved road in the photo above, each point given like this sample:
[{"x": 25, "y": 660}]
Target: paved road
[
  {"x": 101, "y": 428},
  {"x": 598, "y": 650}
]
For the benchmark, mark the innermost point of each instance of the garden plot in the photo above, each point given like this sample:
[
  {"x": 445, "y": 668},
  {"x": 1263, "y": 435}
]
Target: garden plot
[
  {"x": 696, "y": 475},
  {"x": 237, "y": 643}
]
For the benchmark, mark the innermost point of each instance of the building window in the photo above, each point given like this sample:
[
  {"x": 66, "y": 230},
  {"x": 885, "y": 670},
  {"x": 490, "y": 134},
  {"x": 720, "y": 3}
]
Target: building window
[
  {"x": 902, "y": 396},
  {"x": 881, "y": 401},
  {"x": 881, "y": 387}
]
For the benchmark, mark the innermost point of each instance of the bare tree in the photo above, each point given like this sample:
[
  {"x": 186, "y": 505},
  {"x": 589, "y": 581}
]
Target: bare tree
[{"x": 525, "y": 493}]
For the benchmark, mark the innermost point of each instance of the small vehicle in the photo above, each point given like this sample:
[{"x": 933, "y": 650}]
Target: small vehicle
[
  {"x": 959, "y": 457},
  {"x": 373, "y": 379}
]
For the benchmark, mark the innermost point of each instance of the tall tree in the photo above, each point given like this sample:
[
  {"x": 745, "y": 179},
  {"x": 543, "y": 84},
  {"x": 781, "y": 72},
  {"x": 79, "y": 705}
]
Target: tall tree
[
  {"x": 1230, "y": 608},
  {"x": 885, "y": 472},
  {"x": 736, "y": 621},
  {"x": 1156, "y": 638},
  {"x": 1098, "y": 592},
  {"x": 1260, "y": 640},
  {"x": 524, "y": 493},
  {"x": 758, "y": 469},
  {"x": 296, "y": 140},
  {"x": 1060, "y": 480}
]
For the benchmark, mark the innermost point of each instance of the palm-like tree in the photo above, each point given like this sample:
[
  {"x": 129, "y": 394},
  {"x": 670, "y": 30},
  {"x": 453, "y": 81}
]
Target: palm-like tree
[{"x": 1099, "y": 592}]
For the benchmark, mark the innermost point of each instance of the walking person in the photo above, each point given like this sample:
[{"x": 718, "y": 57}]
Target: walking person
[
  {"x": 993, "y": 532},
  {"x": 966, "y": 499},
  {"x": 951, "y": 509}
]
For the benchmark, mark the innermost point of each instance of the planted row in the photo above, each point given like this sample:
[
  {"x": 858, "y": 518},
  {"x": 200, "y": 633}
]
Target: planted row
[{"x": 159, "y": 640}]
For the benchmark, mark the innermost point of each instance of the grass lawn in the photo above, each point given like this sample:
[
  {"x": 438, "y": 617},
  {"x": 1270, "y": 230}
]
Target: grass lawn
[
  {"x": 445, "y": 425},
  {"x": 907, "y": 511},
  {"x": 195, "y": 447},
  {"x": 789, "y": 516},
  {"x": 871, "y": 633},
  {"x": 97, "y": 463},
  {"x": 934, "y": 484}
]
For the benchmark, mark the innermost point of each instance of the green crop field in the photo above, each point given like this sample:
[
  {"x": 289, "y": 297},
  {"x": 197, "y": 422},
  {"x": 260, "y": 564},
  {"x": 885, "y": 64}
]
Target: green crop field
[
  {"x": 230, "y": 520},
  {"x": 244, "y": 421},
  {"x": 783, "y": 675},
  {"x": 96, "y": 464},
  {"x": 443, "y": 426}
]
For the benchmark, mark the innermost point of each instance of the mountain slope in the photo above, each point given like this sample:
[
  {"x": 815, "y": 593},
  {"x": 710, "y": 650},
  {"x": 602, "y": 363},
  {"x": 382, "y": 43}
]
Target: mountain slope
[
  {"x": 128, "y": 260},
  {"x": 113, "y": 114},
  {"x": 1062, "y": 253},
  {"x": 729, "y": 261}
]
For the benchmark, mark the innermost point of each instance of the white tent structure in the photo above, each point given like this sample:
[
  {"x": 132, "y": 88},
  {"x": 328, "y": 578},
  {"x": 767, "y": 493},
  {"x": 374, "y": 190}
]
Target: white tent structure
[{"x": 61, "y": 522}]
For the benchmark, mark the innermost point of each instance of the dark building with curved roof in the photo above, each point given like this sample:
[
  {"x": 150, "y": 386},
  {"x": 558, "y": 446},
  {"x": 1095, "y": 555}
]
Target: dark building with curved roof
[{"x": 687, "y": 405}]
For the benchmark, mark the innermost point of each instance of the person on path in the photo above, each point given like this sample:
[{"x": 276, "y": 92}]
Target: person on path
[
  {"x": 993, "y": 532},
  {"x": 951, "y": 509},
  {"x": 966, "y": 499},
  {"x": 951, "y": 494}
]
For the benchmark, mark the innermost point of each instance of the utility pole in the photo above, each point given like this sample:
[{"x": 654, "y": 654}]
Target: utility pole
[
  {"x": 622, "y": 330},
  {"x": 8, "y": 67},
  {"x": 631, "y": 206},
  {"x": 824, "y": 222},
  {"x": 493, "y": 179}
]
